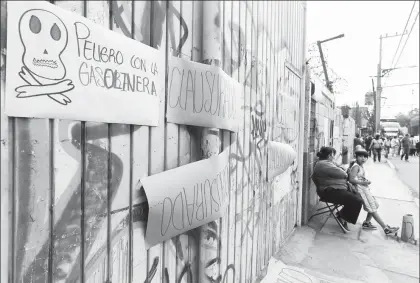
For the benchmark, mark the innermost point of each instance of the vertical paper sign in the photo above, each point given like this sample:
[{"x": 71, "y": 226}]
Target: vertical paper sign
[
  {"x": 186, "y": 197},
  {"x": 280, "y": 157},
  {"x": 202, "y": 95},
  {"x": 61, "y": 65}
]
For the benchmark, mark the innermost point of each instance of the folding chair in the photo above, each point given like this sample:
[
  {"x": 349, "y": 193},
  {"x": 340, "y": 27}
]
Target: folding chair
[{"x": 330, "y": 207}]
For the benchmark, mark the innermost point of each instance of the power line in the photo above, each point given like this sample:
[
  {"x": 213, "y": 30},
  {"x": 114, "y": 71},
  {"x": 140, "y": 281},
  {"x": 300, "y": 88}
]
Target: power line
[
  {"x": 408, "y": 37},
  {"x": 400, "y": 85},
  {"x": 402, "y": 34}
]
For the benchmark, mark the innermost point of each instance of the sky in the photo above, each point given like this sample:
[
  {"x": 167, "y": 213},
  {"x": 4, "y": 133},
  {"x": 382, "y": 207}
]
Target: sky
[{"x": 355, "y": 56}]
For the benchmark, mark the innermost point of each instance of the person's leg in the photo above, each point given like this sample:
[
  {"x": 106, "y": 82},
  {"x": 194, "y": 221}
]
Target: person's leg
[
  {"x": 406, "y": 150},
  {"x": 352, "y": 203},
  {"x": 387, "y": 229},
  {"x": 374, "y": 154},
  {"x": 379, "y": 154},
  {"x": 378, "y": 219},
  {"x": 367, "y": 224}
]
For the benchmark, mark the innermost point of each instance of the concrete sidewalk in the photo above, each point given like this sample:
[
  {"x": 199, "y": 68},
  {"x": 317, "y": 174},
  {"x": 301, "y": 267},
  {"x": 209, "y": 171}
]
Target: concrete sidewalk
[{"x": 322, "y": 250}]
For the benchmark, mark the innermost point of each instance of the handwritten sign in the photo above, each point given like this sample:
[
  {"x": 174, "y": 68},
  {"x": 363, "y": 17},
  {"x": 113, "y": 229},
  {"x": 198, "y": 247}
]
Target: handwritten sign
[
  {"x": 61, "y": 65},
  {"x": 186, "y": 197},
  {"x": 202, "y": 95},
  {"x": 280, "y": 157}
]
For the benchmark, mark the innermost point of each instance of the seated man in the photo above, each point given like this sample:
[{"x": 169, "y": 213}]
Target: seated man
[{"x": 332, "y": 186}]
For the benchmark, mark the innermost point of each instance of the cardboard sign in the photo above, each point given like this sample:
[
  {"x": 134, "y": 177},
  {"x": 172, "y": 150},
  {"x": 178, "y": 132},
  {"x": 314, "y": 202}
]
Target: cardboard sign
[
  {"x": 280, "y": 157},
  {"x": 61, "y": 65},
  {"x": 186, "y": 197},
  {"x": 202, "y": 95}
]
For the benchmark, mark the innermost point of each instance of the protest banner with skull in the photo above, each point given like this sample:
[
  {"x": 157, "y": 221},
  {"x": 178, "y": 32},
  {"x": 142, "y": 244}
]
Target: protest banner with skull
[
  {"x": 44, "y": 37},
  {"x": 64, "y": 66}
]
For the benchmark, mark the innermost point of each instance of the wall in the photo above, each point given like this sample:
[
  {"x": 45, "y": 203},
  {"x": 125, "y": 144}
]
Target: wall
[
  {"x": 324, "y": 128},
  {"x": 72, "y": 206},
  {"x": 349, "y": 132}
]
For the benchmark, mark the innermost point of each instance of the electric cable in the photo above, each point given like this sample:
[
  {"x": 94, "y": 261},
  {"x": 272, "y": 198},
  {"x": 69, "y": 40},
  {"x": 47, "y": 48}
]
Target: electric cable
[
  {"x": 408, "y": 37},
  {"x": 402, "y": 34}
]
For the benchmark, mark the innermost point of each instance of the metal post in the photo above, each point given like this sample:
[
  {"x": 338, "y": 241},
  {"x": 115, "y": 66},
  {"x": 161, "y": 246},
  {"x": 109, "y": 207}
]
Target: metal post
[
  {"x": 378, "y": 89},
  {"x": 324, "y": 67},
  {"x": 209, "y": 247},
  {"x": 374, "y": 106}
]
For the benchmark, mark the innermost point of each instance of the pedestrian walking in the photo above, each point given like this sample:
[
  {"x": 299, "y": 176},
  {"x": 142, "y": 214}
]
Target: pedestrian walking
[
  {"x": 368, "y": 141},
  {"x": 376, "y": 147},
  {"x": 412, "y": 146},
  {"x": 400, "y": 145},
  {"x": 357, "y": 177},
  {"x": 405, "y": 144},
  {"x": 395, "y": 144},
  {"x": 357, "y": 141},
  {"x": 387, "y": 144}
]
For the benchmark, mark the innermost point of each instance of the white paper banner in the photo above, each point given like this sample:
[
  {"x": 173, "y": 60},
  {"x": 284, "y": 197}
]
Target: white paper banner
[
  {"x": 61, "y": 65},
  {"x": 186, "y": 197},
  {"x": 202, "y": 95},
  {"x": 280, "y": 157}
]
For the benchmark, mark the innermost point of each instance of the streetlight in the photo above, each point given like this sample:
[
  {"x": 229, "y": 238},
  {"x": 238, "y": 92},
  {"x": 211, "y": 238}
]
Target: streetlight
[{"x": 319, "y": 42}]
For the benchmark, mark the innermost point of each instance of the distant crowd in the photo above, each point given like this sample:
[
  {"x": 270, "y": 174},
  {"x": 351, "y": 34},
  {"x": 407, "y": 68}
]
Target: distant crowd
[{"x": 391, "y": 146}]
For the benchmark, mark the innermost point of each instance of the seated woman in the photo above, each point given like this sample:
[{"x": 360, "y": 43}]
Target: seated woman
[{"x": 332, "y": 186}]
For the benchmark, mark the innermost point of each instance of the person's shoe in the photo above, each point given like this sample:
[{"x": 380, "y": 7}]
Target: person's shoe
[
  {"x": 368, "y": 226},
  {"x": 343, "y": 224},
  {"x": 390, "y": 230}
]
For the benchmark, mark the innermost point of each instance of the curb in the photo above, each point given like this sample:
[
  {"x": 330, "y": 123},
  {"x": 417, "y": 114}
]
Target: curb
[
  {"x": 391, "y": 164},
  {"x": 416, "y": 200}
]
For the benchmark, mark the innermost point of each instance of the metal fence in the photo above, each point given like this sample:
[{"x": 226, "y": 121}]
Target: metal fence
[{"x": 72, "y": 205}]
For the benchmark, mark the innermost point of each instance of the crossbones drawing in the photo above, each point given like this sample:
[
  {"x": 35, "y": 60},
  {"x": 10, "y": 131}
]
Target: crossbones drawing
[{"x": 44, "y": 37}]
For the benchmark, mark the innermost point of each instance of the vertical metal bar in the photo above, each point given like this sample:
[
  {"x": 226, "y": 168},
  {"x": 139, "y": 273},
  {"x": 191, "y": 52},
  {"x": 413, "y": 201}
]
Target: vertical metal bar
[
  {"x": 52, "y": 191},
  {"x": 82, "y": 186},
  {"x": 210, "y": 137},
  {"x": 13, "y": 197},
  {"x": 130, "y": 209},
  {"x": 108, "y": 189}
]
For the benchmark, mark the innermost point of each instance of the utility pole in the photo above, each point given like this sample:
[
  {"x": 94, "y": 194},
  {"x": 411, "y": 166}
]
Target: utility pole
[
  {"x": 374, "y": 107},
  {"x": 378, "y": 88},
  {"x": 379, "y": 81},
  {"x": 324, "y": 67}
]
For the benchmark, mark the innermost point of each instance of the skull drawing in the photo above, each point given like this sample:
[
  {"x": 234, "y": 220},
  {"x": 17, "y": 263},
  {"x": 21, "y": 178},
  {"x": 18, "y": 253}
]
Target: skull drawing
[{"x": 44, "y": 37}]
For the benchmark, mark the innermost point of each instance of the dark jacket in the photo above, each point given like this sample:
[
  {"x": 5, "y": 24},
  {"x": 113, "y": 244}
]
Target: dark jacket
[
  {"x": 326, "y": 174},
  {"x": 406, "y": 142}
]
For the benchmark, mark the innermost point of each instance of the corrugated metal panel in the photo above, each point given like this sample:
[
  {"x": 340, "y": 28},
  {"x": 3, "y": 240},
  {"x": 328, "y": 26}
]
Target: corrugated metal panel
[{"x": 78, "y": 213}]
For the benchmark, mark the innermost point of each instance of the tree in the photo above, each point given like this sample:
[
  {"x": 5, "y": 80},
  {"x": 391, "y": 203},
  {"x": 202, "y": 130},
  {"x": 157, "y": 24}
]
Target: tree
[
  {"x": 404, "y": 119},
  {"x": 337, "y": 83},
  {"x": 370, "y": 117}
]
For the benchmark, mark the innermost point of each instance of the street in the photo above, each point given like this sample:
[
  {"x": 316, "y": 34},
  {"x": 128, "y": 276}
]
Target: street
[
  {"x": 408, "y": 172},
  {"x": 322, "y": 250}
]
